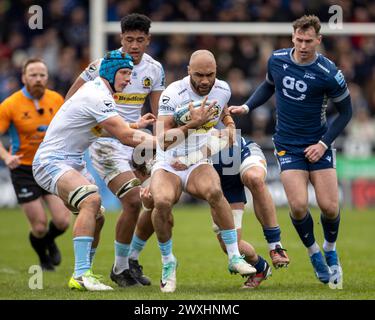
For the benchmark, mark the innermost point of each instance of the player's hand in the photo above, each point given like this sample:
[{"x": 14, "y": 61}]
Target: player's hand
[
  {"x": 200, "y": 116},
  {"x": 13, "y": 161},
  {"x": 146, "y": 198},
  {"x": 146, "y": 120},
  {"x": 315, "y": 152},
  {"x": 239, "y": 110},
  {"x": 178, "y": 165}
]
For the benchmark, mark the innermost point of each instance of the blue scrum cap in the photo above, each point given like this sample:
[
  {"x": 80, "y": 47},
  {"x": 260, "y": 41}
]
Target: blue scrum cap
[{"x": 112, "y": 62}]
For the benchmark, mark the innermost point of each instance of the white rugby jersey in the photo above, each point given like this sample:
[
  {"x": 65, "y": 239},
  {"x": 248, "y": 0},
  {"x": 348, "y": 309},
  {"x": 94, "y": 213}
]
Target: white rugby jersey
[
  {"x": 147, "y": 76},
  {"x": 180, "y": 93},
  {"x": 75, "y": 125}
]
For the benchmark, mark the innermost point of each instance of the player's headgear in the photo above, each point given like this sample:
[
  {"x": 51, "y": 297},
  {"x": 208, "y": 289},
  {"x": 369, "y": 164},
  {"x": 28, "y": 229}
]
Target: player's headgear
[{"x": 112, "y": 62}]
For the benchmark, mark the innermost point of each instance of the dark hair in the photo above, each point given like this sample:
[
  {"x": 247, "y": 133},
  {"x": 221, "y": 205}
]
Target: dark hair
[
  {"x": 307, "y": 22},
  {"x": 135, "y": 22},
  {"x": 30, "y": 61}
]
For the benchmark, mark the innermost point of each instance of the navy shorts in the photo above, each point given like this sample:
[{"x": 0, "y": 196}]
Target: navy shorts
[
  {"x": 291, "y": 157},
  {"x": 25, "y": 185},
  {"x": 232, "y": 186}
]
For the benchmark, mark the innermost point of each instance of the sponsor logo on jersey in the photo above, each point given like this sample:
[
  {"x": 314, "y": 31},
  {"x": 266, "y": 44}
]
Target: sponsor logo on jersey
[
  {"x": 290, "y": 83},
  {"x": 130, "y": 98},
  {"x": 26, "y": 115},
  {"x": 280, "y": 53},
  {"x": 309, "y": 76},
  {"x": 147, "y": 82},
  {"x": 109, "y": 106},
  {"x": 340, "y": 78},
  {"x": 281, "y": 153},
  {"x": 42, "y": 128},
  {"x": 165, "y": 99},
  {"x": 285, "y": 66},
  {"x": 92, "y": 67}
]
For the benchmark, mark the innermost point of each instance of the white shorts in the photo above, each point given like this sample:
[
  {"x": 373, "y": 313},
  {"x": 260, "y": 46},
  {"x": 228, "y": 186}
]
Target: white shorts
[
  {"x": 48, "y": 171},
  {"x": 110, "y": 157},
  {"x": 183, "y": 175}
]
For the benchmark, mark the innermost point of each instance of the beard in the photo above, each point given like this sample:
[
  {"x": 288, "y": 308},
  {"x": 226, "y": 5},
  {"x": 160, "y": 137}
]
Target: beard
[
  {"x": 36, "y": 91},
  {"x": 200, "y": 90}
]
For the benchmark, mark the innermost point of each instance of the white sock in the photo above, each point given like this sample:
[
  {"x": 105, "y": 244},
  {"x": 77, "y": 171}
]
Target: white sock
[
  {"x": 232, "y": 250},
  {"x": 121, "y": 263},
  {"x": 134, "y": 255},
  {"x": 168, "y": 258},
  {"x": 329, "y": 246},
  {"x": 272, "y": 245},
  {"x": 313, "y": 249}
]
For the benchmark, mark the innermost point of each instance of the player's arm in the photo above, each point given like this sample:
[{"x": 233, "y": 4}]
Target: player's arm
[
  {"x": 344, "y": 109},
  {"x": 90, "y": 73},
  {"x": 261, "y": 95},
  {"x": 118, "y": 128},
  {"x": 75, "y": 86},
  {"x": 154, "y": 104},
  {"x": 229, "y": 124},
  {"x": 167, "y": 132},
  {"x": 11, "y": 161}
]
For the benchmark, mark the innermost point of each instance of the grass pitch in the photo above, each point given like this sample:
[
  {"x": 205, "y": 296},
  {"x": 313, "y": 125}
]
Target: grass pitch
[{"x": 202, "y": 272}]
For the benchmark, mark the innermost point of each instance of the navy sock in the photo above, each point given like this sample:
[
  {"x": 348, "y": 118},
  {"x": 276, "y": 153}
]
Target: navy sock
[
  {"x": 260, "y": 265},
  {"x": 305, "y": 229},
  {"x": 39, "y": 245},
  {"x": 272, "y": 234},
  {"x": 330, "y": 227},
  {"x": 53, "y": 232}
]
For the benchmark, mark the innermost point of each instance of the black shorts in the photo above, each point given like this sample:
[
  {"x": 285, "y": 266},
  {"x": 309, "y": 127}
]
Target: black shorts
[{"x": 25, "y": 185}]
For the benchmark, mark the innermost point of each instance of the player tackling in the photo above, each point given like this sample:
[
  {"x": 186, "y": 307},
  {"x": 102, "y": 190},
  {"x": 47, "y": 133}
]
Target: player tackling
[{"x": 59, "y": 167}]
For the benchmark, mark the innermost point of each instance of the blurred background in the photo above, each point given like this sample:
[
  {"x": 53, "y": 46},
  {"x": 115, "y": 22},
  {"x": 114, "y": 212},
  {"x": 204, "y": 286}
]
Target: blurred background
[{"x": 64, "y": 43}]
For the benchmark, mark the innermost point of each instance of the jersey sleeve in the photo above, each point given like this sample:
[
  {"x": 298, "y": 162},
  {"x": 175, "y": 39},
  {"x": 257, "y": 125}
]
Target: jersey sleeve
[
  {"x": 337, "y": 88},
  {"x": 92, "y": 71},
  {"x": 103, "y": 110},
  {"x": 5, "y": 116},
  {"x": 269, "y": 77},
  {"x": 159, "y": 83},
  {"x": 168, "y": 102}
]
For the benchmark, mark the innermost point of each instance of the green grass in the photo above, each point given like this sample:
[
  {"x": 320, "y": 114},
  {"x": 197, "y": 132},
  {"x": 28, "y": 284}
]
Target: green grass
[{"x": 202, "y": 272}]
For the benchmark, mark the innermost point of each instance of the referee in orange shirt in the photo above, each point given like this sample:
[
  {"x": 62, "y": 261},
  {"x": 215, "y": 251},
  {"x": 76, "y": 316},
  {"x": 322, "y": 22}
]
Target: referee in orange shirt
[{"x": 25, "y": 115}]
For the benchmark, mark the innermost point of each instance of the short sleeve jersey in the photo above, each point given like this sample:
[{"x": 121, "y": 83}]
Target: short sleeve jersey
[{"x": 75, "y": 125}]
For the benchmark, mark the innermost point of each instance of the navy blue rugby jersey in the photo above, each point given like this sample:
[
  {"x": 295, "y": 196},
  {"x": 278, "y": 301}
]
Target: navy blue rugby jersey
[{"x": 302, "y": 91}]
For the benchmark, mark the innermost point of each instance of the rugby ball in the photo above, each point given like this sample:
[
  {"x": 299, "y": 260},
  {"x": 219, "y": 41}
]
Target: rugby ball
[{"x": 182, "y": 113}]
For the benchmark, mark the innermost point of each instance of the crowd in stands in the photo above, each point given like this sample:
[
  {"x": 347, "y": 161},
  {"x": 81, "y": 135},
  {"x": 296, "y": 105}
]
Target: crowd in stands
[{"x": 64, "y": 44}]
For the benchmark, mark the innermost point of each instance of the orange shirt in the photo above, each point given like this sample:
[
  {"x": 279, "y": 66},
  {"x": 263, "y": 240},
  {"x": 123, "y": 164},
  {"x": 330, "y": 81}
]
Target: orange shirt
[{"x": 27, "y": 127}]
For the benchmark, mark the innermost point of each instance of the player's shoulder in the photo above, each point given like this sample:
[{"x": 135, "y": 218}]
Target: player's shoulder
[
  {"x": 222, "y": 85},
  {"x": 281, "y": 54},
  {"x": 326, "y": 65},
  {"x": 151, "y": 62}
]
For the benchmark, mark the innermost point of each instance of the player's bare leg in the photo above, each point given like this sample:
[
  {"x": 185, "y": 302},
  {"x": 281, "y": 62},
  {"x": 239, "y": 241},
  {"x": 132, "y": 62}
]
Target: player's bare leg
[
  {"x": 166, "y": 189},
  {"x": 265, "y": 211},
  {"x": 204, "y": 183}
]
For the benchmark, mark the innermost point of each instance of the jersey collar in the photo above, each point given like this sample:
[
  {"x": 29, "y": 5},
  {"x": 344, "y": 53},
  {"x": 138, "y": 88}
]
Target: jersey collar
[{"x": 302, "y": 64}]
